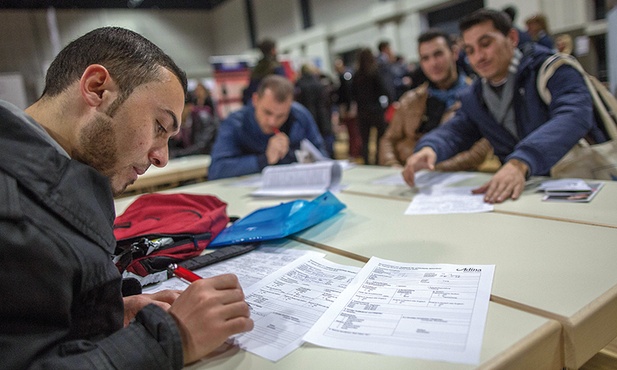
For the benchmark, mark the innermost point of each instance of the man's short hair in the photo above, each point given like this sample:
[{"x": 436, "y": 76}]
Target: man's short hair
[
  {"x": 130, "y": 58},
  {"x": 383, "y": 45},
  {"x": 266, "y": 46},
  {"x": 539, "y": 19},
  {"x": 281, "y": 88},
  {"x": 499, "y": 19},
  {"x": 434, "y": 33},
  {"x": 511, "y": 12}
]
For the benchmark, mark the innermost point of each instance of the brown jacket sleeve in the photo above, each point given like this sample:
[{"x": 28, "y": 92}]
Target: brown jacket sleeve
[
  {"x": 468, "y": 160},
  {"x": 399, "y": 140},
  {"x": 401, "y": 137}
]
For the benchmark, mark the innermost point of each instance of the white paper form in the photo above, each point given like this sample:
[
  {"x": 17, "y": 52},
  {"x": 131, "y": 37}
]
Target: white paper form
[
  {"x": 447, "y": 201},
  {"x": 249, "y": 267},
  {"x": 428, "y": 311},
  {"x": 287, "y": 303}
]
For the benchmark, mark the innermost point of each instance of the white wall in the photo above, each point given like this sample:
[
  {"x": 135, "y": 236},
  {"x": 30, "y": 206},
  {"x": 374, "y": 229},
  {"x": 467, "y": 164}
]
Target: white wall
[{"x": 229, "y": 29}]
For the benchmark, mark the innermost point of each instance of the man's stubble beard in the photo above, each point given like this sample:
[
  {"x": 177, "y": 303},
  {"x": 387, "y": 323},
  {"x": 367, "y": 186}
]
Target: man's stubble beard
[{"x": 97, "y": 148}]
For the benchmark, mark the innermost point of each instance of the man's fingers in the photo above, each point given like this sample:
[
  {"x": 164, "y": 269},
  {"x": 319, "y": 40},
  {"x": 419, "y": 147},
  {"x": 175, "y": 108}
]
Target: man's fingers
[
  {"x": 224, "y": 281},
  {"x": 481, "y": 190}
]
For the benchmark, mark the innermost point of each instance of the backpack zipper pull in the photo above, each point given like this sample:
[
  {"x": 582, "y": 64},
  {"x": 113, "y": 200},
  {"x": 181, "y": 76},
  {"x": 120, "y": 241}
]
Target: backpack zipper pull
[{"x": 155, "y": 244}]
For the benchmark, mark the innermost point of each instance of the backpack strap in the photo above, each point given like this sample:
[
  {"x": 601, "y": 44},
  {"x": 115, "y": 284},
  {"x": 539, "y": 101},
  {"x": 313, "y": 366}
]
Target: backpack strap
[{"x": 595, "y": 87}]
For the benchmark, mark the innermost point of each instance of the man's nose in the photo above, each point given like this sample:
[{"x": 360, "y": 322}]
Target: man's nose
[{"x": 159, "y": 156}]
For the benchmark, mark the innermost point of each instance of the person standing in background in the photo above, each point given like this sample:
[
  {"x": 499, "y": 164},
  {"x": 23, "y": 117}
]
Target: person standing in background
[
  {"x": 537, "y": 28},
  {"x": 347, "y": 110},
  {"x": 523, "y": 36},
  {"x": 314, "y": 96},
  {"x": 267, "y": 65},
  {"x": 369, "y": 92}
]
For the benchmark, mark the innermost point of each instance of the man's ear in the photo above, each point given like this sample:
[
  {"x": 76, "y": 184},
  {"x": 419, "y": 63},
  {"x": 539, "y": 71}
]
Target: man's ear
[
  {"x": 513, "y": 36},
  {"x": 96, "y": 86}
]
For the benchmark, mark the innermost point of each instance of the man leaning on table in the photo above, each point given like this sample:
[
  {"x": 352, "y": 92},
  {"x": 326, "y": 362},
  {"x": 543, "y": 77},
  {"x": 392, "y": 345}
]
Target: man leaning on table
[
  {"x": 112, "y": 100},
  {"x": 266, "y": 132},
  {"x": 503, "y": 105},
  {"x": 430, "y": 104}
]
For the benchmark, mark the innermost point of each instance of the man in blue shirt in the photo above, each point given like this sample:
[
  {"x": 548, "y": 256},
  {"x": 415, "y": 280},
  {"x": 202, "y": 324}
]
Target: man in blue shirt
[{"x": 267, "y": 132}]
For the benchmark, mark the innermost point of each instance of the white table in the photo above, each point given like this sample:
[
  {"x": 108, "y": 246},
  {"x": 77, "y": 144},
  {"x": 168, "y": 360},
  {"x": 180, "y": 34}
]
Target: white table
[
  {"x": 562, "y": 271},
  {"x": 178, "y": 170}
]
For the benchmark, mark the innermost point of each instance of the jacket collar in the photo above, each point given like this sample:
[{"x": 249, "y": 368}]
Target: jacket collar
[{"x": 75, "y": 192}]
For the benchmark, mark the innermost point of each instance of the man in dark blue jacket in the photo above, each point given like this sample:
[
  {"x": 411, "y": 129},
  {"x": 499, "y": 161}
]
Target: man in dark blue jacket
[
  {"x": 528, "y": 136},
  {"x": 267, "y": 132}
]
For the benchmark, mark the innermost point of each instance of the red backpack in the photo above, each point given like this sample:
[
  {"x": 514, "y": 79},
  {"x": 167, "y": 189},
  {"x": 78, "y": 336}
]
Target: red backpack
[{"x": 159, "y": 229}]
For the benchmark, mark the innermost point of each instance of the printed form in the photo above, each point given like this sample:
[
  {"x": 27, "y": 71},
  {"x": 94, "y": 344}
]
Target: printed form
[
  {"x": 438, "y": 201},
  {"x": 286, "y": 304},
  {"x": 428, "y": 311},
  {"x": 249, "y": 267}
]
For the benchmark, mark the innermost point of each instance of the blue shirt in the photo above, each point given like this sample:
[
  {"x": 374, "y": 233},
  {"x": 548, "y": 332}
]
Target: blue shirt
[{"x": 240, "y": 146}]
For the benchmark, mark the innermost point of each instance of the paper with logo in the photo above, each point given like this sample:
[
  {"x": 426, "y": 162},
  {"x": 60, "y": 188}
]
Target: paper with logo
[{"x": 428, "y": 311}]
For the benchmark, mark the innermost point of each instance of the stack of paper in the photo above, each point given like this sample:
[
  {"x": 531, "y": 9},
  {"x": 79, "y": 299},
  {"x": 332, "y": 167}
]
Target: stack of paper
[
  {"x": 569, "y": 190},
  {"x": 299, "y": 179}
]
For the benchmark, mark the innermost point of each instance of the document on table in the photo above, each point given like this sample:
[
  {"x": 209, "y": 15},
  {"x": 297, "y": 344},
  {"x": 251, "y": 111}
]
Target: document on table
[
  {"x": 286, "y": 304},
  {"x": 428, "y": 311},
  {"x": 249, "y": 267},
  {"x": 425, "y": 179},
  {"x": 300, "y": 179},
  {"x": 447, "y": 201}
]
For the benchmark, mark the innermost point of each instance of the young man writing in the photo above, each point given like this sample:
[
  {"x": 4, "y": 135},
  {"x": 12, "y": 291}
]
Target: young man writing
[{"x": 111, "y": 102}]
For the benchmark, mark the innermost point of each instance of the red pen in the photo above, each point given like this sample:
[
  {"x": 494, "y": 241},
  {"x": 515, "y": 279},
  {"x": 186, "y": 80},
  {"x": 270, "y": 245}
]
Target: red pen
[
  {"x": 276, "y": 130},
  {"x": 184, "y": 273}
]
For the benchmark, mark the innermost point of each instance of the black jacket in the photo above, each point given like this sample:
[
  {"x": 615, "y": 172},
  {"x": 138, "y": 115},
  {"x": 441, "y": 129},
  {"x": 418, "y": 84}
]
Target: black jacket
[{"x": 61, "y": 294}]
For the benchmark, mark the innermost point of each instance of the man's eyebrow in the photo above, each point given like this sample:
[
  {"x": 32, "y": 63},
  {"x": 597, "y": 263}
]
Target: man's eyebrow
[{"x": 174, "y": 119}]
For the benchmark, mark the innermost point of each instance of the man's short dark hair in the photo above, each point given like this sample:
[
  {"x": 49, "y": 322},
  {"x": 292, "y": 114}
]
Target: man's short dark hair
[
  {"x": 266, "y": 46},
  {"x": 281, "y": 87},
  {"x": 382, "y": 45},
  {"x": 511, "y": 12},
  {"x": 130, "y": 58},
  {"x": 434, "y": 33},
  {"x": 499, "y": 19}
]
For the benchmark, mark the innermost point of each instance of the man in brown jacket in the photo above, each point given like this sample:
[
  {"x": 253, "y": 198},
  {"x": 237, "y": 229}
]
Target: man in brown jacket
[{"x": 430, "y": 104}]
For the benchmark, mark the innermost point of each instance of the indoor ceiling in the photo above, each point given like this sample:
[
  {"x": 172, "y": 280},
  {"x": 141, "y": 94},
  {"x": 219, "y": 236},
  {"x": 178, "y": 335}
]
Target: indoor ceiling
[{"x": 116, "y": 4}]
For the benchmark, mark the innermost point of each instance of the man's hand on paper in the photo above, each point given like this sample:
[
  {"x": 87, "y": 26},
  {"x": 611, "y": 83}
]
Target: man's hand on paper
[
  {"x": 208, "y": 312},
  {"x": 423, "y": 159},
  {"x": 133, "y": 304},
  {"x": 508, "y": 182},
  {"x": 278, "y": 147}
]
